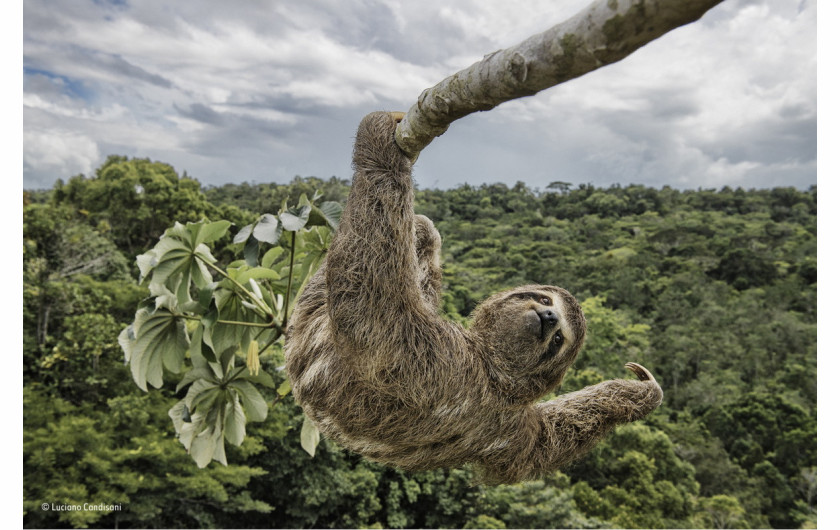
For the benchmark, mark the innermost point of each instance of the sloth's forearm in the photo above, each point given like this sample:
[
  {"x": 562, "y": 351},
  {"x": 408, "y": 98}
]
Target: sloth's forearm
[
  {"x": 372, "y": 250},
  {"x": 555, "y": 433},
  {"x": 579, "y": 419},
  {"x": 372, "y": 266},
  {"x": 614, "y": 401}
]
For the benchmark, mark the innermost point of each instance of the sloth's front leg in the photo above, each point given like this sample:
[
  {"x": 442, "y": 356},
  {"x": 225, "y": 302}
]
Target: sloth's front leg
[
  {"x": 579, "y": 419},
  {"x": 573, "y": 423},
  {"x": 605, "y": 404},
  {"x": 555, "y": 433}
]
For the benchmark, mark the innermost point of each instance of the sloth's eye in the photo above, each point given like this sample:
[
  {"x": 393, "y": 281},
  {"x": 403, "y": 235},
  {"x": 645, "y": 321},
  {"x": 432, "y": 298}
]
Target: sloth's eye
[
  {"x": 558, "y": 339},
  {"x": 545, "y": 300}
]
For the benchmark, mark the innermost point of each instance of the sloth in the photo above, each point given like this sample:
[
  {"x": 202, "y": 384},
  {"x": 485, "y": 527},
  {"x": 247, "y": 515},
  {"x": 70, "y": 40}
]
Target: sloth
[{"x": 378, "y": 369}]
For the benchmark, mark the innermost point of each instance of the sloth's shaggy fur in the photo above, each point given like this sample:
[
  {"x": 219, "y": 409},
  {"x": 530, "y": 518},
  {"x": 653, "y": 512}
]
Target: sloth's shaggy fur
[{"x": 379, "y": 371}]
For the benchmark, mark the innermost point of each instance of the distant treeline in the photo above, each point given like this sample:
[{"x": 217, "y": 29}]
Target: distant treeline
[{"x": 713, "y": 290}]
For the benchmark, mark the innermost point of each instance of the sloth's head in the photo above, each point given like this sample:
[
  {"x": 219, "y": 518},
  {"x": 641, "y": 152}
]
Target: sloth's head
[{"x": 531, "y": 334}]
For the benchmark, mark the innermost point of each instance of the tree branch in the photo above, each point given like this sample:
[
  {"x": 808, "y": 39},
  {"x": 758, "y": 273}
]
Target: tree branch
[{"x": 603, "y": 33}]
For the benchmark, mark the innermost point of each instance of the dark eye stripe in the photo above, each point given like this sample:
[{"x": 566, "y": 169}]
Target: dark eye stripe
[
  {"x": 537, "y": 297},
  {"x": 549, "y": 353}
]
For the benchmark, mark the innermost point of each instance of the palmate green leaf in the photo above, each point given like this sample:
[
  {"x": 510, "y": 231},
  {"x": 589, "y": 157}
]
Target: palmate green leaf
[
  {"x": 177, "y": 262},
  {"x": 216, "y": 413},
  {"x": 263, "y": 378},
  {"x": 225, "y": 336},
  {"x": 206, "y": 445},
  {"x": 208, "y": 359},
  {"x": 304, "y": 271},
  {"x": 295, "y": 219},
  {"x": 219, "y": 455},
  {"x": 316, "y": 239},
  {"x": 205, "y": 296},
  {"x": 201, "y": 369},
  {"x": 216, "y": 409},
  {"x": 164, "y": 297},
  {"x": 209, "y": 232},
  {"x": 202, "y": 352},
  {"x": 146, "y": 262},
  {"x": 243, "y": 234},
  {"x": 252, "y": 251},
  {"x": 271, "y": 256},
  {"x": 125, "y": 339},
  {"x": 267, "y": 229},
  {"x": 284, "y": 388},
  {"x": 194, "y": 375},
  {"x": 234, "y": 420},
  {"x": 327, "y": 213},
  {"x": 159, "y": 340},
  {"x": 198, "y": 401},
  {"x": 194, "y": 434},
  {"x": 203, "y": 251},
  {"x": 227, "y": 358},
  {"x": 314, "y": 245},
  {"x": 254, "y": 404},
  {"x": 195, "y": 234},
  {"x": 203, "y": 447},
  {"x": 245, "y": 273},
  {"x": 176, "y": 414},
  {"x": 256, "y": 273},
  {"x": 205, "y": 396},
  {"x": 199, "y": 346},
  {"x": 185, "y": 415},
  {"x": 309, "y": 436}
]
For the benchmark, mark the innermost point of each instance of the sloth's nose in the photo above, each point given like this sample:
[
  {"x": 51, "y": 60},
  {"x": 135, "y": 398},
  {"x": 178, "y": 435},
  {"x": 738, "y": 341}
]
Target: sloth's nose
[{"x": 548, "y": 317}]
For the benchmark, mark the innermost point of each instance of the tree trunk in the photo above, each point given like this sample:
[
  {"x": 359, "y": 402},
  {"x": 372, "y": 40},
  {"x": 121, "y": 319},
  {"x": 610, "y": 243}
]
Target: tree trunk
[{"x": 603, "y": 33}]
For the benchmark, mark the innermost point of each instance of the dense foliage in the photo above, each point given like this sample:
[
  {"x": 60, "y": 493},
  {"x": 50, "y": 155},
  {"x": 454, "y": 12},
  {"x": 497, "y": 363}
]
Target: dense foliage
[{"x": 713, "y": 290}]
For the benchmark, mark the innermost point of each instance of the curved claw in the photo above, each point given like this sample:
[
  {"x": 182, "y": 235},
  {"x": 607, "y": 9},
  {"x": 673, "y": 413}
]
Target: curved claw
[{"x": 641, "y": 372}]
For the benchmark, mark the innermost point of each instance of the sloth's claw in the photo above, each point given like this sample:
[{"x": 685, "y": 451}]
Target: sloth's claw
[{"x": 641, "y": 372}]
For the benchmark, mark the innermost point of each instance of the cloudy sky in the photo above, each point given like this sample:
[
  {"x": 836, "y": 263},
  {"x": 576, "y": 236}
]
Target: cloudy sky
[{"x": 266, "y": 90}]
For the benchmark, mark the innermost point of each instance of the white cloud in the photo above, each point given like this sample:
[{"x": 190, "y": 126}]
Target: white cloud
[
  {"x": 218, "y": 87},
  {"x": 60, "y": 107},
  {"x": 61, "y": 154}
]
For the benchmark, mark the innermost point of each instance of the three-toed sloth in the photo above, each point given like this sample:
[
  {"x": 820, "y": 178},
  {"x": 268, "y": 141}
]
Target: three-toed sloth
[{"x": 378, "y": 370}]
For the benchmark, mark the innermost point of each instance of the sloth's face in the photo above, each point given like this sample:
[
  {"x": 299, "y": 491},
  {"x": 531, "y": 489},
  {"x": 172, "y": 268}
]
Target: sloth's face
[
  {"x": 544, "y": 321},
  {"x": 535, "y": 333}
]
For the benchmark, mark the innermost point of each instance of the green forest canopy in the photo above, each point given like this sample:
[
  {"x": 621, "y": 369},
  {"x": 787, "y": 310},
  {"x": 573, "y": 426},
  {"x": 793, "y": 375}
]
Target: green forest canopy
[{"x": 713, "y": 290}]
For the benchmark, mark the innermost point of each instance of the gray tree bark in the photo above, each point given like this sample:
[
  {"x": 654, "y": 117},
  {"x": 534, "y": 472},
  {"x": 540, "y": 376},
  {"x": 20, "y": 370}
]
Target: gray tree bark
[{"x": 603, "y": 33}]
